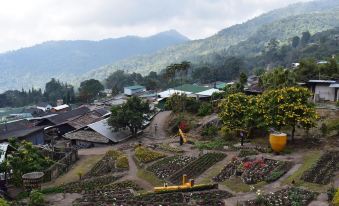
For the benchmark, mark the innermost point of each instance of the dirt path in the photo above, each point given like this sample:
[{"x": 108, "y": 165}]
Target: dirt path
[
  {"x": 132, "y": 173},
  {"x": 161, "y": 121}
]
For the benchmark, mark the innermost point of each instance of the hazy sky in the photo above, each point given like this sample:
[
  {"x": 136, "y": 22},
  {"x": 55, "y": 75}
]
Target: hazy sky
[{"x": 27, "y": 22}]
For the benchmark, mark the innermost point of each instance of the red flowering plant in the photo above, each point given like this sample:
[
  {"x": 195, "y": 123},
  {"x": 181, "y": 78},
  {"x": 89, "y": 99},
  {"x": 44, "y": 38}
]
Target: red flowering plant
[
  {"x": 248, "y": 165},
  {"x": 183, "y": 126}
]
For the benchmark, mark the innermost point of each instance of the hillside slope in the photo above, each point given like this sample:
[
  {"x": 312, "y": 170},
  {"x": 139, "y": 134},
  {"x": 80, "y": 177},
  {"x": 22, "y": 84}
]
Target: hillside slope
[
  {"x": 282, "y": 24},
  {"x": 33, "y": 66}
]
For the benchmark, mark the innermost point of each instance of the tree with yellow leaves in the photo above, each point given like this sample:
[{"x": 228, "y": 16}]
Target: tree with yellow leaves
[
  {"x": 239, "y": 112},
  {"x": 287, "y": 107}
]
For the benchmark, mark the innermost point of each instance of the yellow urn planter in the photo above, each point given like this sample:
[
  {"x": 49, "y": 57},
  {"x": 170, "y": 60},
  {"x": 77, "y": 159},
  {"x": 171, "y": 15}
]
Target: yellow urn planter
[{"x": 278, "y": 141}]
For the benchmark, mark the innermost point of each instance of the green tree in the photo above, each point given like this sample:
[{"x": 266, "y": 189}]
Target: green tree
[
  {"x": 295, "y": 41},
  {"x": 287, "y": 107},
  {"x": 305, "y": 38},
  {"x": 26, "y": 158},
  {"x": 243, "y": 79},
  {"x": 89, "y": 89},
  {"x": 131, "y": 114},
  {"x": 278, "y": 78},
  {"x": 238, "y": 112}
]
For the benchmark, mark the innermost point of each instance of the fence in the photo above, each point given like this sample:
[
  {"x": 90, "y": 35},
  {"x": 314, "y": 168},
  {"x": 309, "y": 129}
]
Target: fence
[{"x": 61, "y": 166}]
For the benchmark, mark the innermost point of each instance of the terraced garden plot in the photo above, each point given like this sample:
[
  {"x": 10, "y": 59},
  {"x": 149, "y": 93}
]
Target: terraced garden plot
[
  {"x": 89, "y": 184},
  {"x": 285, "y": 197},
  {"x": 323, "y": 171},
  {"x": 145, "y": 155},
  {"x": 254, "y": 171},
  {"x": 169, "y": 165},
  {"x": 197, "y": 167},
  {"x": 127, "y": 184},
  {"x": 108, "y": 164},
  {"x": 102, "y": 197}
]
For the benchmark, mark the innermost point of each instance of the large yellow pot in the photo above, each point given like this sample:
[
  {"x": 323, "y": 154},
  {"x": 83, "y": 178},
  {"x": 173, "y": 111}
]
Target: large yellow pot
[{"x": 278, "y": 141}]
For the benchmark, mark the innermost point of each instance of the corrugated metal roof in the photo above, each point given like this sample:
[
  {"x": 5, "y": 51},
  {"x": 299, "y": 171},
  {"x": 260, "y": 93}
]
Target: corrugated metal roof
[
  {"x": 105, "y": 130},
  {"x": 191, "y": 88},
  {"x": 170, "y": 92},
  {"x": 89, "y": 136},
  {"x": 209, "y": 92},
  {"x": 334, "y": 85},
  {"x": 321, "y": 81},
  {"x": 134, "y": 87}
]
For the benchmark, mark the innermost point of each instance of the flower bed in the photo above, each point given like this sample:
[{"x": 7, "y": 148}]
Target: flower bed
[
  {"x": 89, "y": 184},
  {"x": 167, "y": 166},
  {"x": 197, "y": 167},
  {"x": 113, "y": 161},
  {"x": 145, "y": 155},
  {"x": 127, "y": 184},
  {"x": 323, "y": 170},
  {"x": 254, "y": 171},
  {"x": 289, "y": 196}
]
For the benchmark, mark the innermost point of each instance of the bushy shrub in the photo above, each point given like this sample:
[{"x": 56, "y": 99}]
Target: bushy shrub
[
  {"x": 36, "y": 198},
  {"x": 3, "y": 202},
  {"x": 145, "y": 155},
  {"x": 205, "y": 109},
  {"x": 122, "y": 162},
  {"x": 210, "y": 131},
  {"x": 336, "y": 198}
]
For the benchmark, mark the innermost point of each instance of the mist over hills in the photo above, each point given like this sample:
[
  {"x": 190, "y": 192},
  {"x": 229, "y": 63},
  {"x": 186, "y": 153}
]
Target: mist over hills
[
  {"x": 65, "y": 60},
  {"x": 241, "y": 39},
  {"x": 75, "y": 61}
]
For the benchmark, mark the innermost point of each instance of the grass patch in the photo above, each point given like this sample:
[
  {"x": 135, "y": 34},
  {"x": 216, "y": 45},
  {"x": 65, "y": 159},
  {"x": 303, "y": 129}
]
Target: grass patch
[
  {"x": 309, "y": 160},
  {"x": 217, "y": 143},
  {"x": 237, "y": 185},
  {"x": 214, "y": 171},
  {"x": 150, "y": 177}
]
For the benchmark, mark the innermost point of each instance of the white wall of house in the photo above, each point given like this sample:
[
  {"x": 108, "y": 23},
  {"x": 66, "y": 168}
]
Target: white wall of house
[{"x": 325, "y": 92}]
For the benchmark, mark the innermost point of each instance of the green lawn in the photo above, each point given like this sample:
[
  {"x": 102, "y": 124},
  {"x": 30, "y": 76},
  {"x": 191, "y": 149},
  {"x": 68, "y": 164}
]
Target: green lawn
[
  {"x": 150, "y": 177},
  {"x": 81, "y": 166},
  {"x": 237, "y": 185},
  {"x": 309, "y": 159}
]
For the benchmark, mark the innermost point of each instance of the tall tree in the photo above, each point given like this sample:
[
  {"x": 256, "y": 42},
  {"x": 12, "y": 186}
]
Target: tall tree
[
  {"x": 131, "y": 114},
  {"x": 89, "y": 89},
  {"x": 287, "y": 107},
  {"x": 295, "y": 41},
  {"x": 238, "y": 112}
]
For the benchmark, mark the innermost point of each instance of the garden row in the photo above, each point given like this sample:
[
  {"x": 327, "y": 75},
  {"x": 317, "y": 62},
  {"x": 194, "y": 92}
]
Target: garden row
[
  {"x": 253, "y": 171},
  {"x": 113, "y": 161},
  {"x": 288, "y": 196},
  {"x": 89, "y": 184},
  {"x": 125, "y": 197},
  {"x": 169, "y": 165},
  {"x": 197, "y": 167},
  {"x": 324, "y": 169}
]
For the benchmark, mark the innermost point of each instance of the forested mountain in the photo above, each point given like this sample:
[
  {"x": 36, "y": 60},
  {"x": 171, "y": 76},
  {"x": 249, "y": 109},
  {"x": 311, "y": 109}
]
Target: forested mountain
[
  {"x": 246, "y": 39},
  {"x": 33, "y": 66}
]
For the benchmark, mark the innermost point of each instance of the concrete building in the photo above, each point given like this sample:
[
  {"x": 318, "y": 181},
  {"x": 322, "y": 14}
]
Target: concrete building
[{"x": 132, "y": 90}]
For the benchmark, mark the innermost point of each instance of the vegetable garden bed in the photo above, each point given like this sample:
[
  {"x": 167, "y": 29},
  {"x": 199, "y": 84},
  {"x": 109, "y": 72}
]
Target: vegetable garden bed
[
  {"x": 89, "y": 184},
  {"x": 169, "y": 165},
  {"x": 127, "y": 184},
  {"x": 253, "y": 171},
  {"x": 145, "y": 155},
  {"x": 286, "y": 197},
  {"x": 197, "y": 167},
  {"x": 324, "y": 169},
  {"x": 113, "y": 161}
]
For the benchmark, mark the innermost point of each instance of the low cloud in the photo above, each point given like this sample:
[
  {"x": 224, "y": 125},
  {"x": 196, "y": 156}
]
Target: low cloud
[{"x": 24, "y": 23}]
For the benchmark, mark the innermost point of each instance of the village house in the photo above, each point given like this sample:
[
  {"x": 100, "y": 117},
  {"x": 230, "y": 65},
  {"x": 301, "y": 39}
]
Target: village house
[
  {"x": 324, "y": 90},
  {"x": 60, "y": 108},
  {"x": 132, "y": 90},
  {"x": 22, "y": 130},
  {"x": 97, "y": 134},
  {"x": 44, "y": 106}
]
